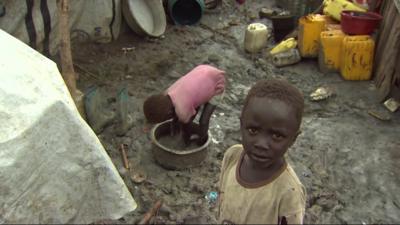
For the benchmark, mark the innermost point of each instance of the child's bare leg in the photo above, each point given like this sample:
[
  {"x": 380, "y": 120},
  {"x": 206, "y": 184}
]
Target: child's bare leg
[{"x": 205, "y": 122}]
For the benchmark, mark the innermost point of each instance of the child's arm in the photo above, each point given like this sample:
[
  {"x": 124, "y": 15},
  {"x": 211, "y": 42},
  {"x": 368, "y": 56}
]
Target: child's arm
[
  {"x": 189, "y": 128},
  {"x": 296, "y": 218},
  {"x": 292, "y": 208},
  {"x": 204, "y": 121}
]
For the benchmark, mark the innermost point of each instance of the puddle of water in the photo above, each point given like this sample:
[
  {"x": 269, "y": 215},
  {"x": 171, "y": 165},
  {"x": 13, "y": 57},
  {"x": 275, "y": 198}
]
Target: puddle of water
[{"x": 176, "y": 142}]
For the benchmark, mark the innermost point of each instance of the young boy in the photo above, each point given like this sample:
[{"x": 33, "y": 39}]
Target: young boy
[
  {"x": 182, "y": 100},
  {"x": 257, "y": 185}
]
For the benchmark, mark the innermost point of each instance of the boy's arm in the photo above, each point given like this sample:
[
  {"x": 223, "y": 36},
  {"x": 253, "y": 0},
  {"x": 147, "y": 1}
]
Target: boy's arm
[
  {"x": 294, "y": 218},
  {"x": 292, "y": 208}
]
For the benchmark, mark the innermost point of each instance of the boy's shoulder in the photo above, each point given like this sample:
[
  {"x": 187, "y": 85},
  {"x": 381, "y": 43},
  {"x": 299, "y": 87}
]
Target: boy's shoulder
[
  {"x": 233, "y": 152},
  {"x": 232, "y": 155}
]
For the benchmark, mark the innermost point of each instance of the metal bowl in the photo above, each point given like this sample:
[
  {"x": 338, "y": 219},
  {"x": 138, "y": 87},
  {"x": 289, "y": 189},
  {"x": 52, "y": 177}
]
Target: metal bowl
[{"x": 175, "y": 158}]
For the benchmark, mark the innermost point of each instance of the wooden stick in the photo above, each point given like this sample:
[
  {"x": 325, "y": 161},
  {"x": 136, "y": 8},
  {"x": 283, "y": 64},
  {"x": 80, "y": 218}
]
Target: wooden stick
[
  {"x": 67, "y": 67},
  {"x": 146, "y": 218},
  {"x": 124, "y": 157}
]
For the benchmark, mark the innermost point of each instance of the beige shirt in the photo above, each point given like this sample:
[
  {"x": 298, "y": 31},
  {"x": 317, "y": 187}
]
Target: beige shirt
[{"x": 262, "y": 203}]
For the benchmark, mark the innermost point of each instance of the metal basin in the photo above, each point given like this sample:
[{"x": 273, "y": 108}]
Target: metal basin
[
  {"x": 145, "y": 17},
  {"x": 175, "y": 158}
]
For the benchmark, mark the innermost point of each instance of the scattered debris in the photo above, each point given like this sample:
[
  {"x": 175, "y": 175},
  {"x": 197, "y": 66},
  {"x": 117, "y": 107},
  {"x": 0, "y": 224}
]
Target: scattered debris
[
  {"x": 392, "y": 104},
  {"x": 127, "y": 49},
  {"x": 214, "y": 58},
  {"x": 322, "y": 93},
  {"x": 211, "y": 197},
  {"x": 137, "y": 176},
  {"x": 286, "y": 58},
  {"x": 384, "y": 116},
  {"x": 234, "y": 22},
  {"x": 212, "y": 4},
  {"x": 124, "y": 157},
  {"x": 284, "y": 13},
  {"x": 266, "y": 13},
  {"x": 152, "y": 212}
]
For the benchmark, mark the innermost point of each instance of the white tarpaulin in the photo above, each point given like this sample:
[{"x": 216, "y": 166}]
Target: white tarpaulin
[{"x": 53, "y": 168}]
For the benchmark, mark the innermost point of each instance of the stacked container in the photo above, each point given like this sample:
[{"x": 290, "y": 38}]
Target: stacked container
[
  {"x": 329, "y": 51},
  {"x": 357, "y": 55},
  {"x": 310, "y": 28}
]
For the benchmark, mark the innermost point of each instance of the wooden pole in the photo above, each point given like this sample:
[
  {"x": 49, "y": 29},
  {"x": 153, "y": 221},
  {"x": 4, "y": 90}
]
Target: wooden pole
[{"x": 67, "y": 66}]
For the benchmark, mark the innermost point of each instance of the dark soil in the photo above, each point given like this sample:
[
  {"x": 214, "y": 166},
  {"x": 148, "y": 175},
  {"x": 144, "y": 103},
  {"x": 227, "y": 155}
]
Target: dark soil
[{"x": 347, "y": 159}]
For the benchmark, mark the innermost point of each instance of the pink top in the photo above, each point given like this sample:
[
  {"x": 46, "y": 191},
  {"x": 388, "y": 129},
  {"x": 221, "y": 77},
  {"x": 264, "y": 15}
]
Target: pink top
[{"x": 194, "y": 89}]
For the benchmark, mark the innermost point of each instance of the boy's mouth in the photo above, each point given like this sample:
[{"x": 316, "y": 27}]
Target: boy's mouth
[{"x": 260, "y": 158}]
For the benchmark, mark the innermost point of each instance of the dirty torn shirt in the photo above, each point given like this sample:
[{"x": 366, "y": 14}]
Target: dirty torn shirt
[
  {"x": 194, "y": 89},
  {"x": 263, "y": 203}
]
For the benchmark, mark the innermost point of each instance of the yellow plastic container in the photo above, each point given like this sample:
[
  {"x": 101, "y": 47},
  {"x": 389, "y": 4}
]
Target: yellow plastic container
[
  {"x": 333, "y": 8},
  {"x": 329, "y": 51},
  {"x": 284, "y": 46},
  {"x": 357, "y": 56},
  {"x": 330, "y": 27},
  {"x": 310, "y": 28}
]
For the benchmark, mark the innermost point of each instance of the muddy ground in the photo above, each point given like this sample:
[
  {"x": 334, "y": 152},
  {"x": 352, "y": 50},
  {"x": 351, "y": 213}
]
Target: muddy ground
[{"x": 347, "y": 159}]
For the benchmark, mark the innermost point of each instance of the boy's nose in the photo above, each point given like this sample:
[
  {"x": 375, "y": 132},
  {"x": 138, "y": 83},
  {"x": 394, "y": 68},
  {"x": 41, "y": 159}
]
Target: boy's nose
[{"x": 262, "y": 143}]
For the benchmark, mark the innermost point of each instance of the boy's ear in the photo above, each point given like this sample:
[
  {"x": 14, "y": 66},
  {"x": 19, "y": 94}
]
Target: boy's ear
[{"x": 295, "y": 137}]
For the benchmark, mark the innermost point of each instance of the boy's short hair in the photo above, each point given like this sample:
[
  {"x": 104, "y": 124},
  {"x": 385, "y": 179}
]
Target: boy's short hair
[
  {"x": 156, "y": 108},
  {"x": 280, "y": 90}
]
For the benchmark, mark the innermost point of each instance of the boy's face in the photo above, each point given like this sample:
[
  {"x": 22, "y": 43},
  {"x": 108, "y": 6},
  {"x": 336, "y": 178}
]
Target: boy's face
[{"x": 269, "y": 127}]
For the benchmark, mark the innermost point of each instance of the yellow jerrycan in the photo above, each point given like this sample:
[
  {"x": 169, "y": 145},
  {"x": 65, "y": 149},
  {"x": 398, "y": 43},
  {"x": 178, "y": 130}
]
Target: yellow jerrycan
[
  {"x": 357, "y": 57},
  {"x": 329, "y": 51},
  {"x": 310, "y": 28}
]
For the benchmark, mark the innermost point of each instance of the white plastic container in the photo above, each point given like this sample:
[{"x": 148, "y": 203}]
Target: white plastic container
[{"x": 255, "y": 37}]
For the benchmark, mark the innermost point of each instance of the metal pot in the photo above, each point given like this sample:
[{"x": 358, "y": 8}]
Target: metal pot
[{"x": 175, "y": 158}]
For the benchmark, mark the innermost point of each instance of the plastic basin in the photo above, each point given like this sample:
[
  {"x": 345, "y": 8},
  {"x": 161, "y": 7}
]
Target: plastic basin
[
  {"x": 359, "y": 23},
  {"x": 145, "y": 17},
  {"x": 175, "y": 158}
]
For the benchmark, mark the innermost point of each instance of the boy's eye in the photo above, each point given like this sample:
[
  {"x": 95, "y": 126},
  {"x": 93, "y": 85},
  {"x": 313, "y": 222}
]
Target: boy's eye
[
  {"x": 277, "y": 136},
  {"x": 252, "y": 131}
]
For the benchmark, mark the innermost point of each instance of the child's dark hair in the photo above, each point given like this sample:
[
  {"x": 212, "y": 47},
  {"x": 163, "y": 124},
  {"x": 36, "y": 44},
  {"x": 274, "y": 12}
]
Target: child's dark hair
[
  {"x": 280, "y": 90},
  {"x": 157, "y": 108}
]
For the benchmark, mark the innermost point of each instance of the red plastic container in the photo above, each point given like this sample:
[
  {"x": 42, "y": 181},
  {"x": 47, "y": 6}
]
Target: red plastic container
[{"x": 359, "y": 23}]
